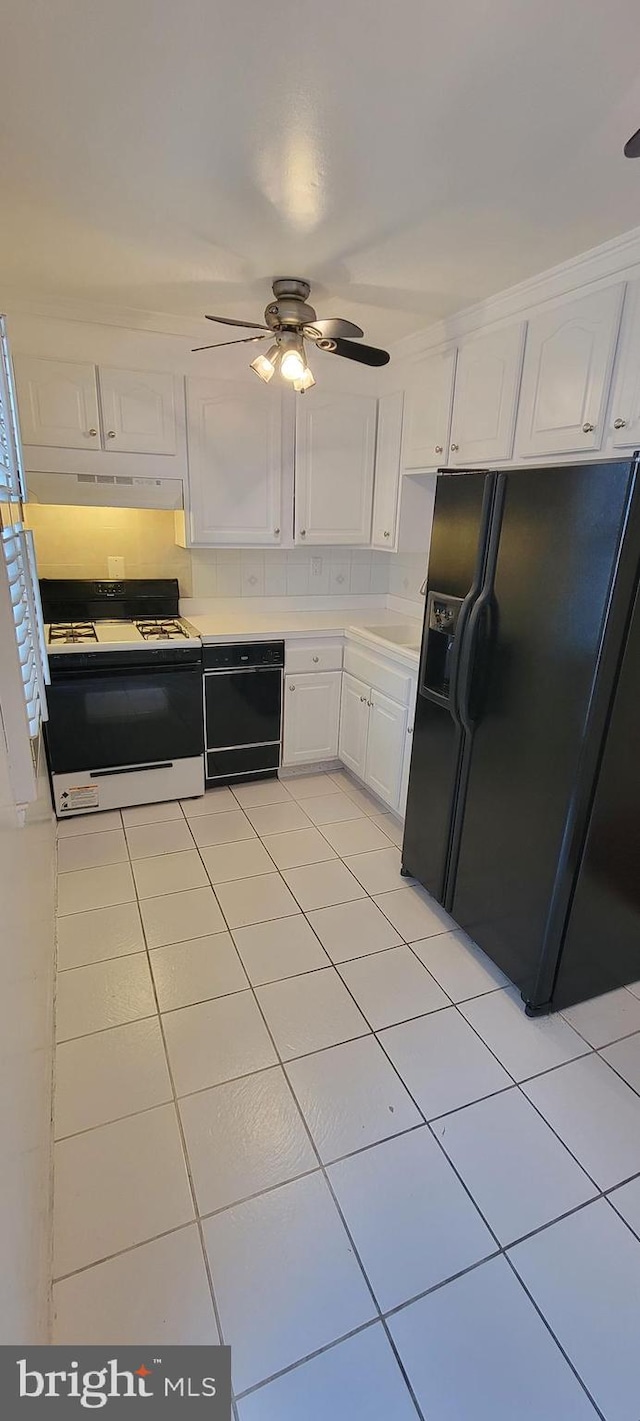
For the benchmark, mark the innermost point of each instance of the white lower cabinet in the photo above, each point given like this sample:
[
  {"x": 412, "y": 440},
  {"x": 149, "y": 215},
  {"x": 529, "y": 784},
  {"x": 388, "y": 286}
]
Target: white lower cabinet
[
  {"x": 354, "y": 724},
  {"x": 373, "y": 738},
  {"x": 311, "y": 717},
  {"x": 385, "y": 747}
]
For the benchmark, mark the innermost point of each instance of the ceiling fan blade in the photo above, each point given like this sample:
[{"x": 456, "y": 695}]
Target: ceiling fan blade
[
  {"x": 333, "y": 328},
  {"x": 365, "y": 354},
  {"x": 632, "y": 146},
  {"x": 244, "y": 340},
  {"x": 228, "y": 321}
]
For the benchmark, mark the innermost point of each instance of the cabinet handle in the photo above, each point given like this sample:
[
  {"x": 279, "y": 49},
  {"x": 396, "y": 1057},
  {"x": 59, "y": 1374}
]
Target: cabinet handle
[
  {"x": 364, "y": 699},
  {"x": 276, "y": 532},
  {"x": 316, "y": 659},
  {"x": 438, "y": 448},
  {"x": 387, "y": 534},
  {"x": 455, "y": 448},
  {"x": 370, "y": 704},
  {"x": 588, "y": 428},
  {"x": 303, "y": 532},
  {"x": 93, "y": 433},
  {"x": 619, "y": 423},
  {"x": 291, "y": 688},
  {"x": 111, "y": 434},
  {"x": 409, "y": 730}
]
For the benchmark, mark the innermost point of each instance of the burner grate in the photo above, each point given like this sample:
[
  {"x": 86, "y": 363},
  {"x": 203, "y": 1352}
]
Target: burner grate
[
  {"x": 161, "y": 628},
  {"x": 66, "y": 632}
]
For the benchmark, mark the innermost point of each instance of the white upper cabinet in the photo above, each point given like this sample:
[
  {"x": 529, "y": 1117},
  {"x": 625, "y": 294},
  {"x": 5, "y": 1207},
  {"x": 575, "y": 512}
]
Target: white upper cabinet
[
  {"x": 386, "y": 488},
  {"x": 335, "y": 451},
  {"x": 486, "y": 395},
  {"x": 427, "y": 411},
  {"x": 138, "y": 411},
  {"x": 567, "y": 369},
  {"x": 624, "y": 412},
  {"x": 58, "y": 403},
  {"x": 235, "y": 463}
]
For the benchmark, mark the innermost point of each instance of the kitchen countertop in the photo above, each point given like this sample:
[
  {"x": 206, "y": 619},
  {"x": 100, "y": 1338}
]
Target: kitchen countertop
[{"x": 252, "y": 624}]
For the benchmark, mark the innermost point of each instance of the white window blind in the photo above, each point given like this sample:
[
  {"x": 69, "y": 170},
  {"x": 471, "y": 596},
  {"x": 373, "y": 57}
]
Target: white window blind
[
  {"x": 24, "y": 668},
  {"x": 11, "y": 469}
]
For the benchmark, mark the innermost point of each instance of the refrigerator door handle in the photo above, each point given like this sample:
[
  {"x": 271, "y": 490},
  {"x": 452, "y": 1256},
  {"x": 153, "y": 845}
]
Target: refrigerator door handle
[
  {"x": 483, "y": 606},
  {"x": 468, "y": 658},
  {"x": 464, "y": 617}
]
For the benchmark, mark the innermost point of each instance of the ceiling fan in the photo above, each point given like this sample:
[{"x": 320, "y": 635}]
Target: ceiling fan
[{"x": 289, "y": 321}]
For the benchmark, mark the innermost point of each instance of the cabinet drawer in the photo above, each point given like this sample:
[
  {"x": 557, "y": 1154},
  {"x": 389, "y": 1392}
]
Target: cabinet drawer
[
  {"x": 379, "y": 674},
  {"x": 313, "y": 656}
]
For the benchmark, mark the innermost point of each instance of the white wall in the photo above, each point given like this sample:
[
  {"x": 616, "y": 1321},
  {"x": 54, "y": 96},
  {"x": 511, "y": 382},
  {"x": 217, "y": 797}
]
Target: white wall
[{"x": 27, "y": 948}]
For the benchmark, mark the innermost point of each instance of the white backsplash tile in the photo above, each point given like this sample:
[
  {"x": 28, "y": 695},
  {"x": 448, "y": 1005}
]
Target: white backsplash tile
[
  {"x": 252, "y": 574},
  {"x": 275, "y": 574},
  {"x": 339, "y": 574},
  {"x": 406, "y": 574},
  {"x": 229, "y": 573}
]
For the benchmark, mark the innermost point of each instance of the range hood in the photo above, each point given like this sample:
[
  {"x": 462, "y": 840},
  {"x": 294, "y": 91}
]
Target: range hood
[{"x": 104, "y": 490}]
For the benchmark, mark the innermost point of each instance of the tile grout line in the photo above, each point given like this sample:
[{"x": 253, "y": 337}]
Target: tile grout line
[
  {"x": 462, "y": 1182},
  {"x": 516, "y": 1084},
  {"x": 339, "y": 1210},
  {"x": 183, "y": 1142},
  {"x": 552, "y": 1334}
]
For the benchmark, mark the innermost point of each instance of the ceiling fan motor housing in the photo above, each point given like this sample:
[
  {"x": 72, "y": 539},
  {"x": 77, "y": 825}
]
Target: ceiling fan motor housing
[{"x": 290, "y": 309}]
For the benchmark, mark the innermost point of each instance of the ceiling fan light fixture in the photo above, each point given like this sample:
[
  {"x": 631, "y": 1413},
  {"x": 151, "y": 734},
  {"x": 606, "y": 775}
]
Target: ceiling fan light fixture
[
  {"x": 292, "y": 358},
  {"x": 305, "y": 382},
  {"x": 265, "y": 365}
]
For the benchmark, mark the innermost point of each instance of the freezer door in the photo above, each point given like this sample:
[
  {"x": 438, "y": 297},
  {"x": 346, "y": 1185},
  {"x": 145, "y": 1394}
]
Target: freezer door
[
  {"x": 529, "y": 692},
  {"x": 602, "y": 945},
  {"x": 456, "y": 566}
]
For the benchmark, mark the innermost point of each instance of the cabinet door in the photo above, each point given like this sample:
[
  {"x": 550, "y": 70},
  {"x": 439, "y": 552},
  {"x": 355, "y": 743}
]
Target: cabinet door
[
  {"x": 354, "y": 722},
  {"x": 567, "y": 369},
  {"x": 311, "y": 717},
  {"x": 387, "y": 477},
  {"x": 386, "y": 747},
  {"x": 408, "y": 747},
  {"x": 235, "y": 463},
  {"x": 486, "y": 394},
  {"x": 624, "y": 419},
  {"x": 427, "y": 411},
  {"x": 58, "y": 403},
  {"x": 138, "y": 411},
  {"x": 335, "y": 449}
]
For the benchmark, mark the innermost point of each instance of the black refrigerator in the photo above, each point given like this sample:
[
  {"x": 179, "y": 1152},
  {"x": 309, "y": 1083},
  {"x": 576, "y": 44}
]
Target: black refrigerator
[{"x": 523, "y": 811}]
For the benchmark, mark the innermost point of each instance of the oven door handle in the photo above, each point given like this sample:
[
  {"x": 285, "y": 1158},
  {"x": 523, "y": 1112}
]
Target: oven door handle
[
  {"x": 131, "y": 769},
  {"x": 239, "y": 670},
  {"x": 94, "y": 674}
]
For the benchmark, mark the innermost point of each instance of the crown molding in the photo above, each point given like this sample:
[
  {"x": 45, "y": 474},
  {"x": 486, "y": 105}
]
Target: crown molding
[
  {"x": 598, "y": 264},
  {"x": 19, "y": 303},
  {"x": 617, "y": 257}
]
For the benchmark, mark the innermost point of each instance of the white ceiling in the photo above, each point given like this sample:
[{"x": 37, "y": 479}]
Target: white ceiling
[{"x": 408, "y": 156}]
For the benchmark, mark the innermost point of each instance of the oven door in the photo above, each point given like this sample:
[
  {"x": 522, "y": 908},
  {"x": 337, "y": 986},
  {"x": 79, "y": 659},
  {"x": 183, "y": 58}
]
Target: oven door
[{"x": 99, "y": 719}]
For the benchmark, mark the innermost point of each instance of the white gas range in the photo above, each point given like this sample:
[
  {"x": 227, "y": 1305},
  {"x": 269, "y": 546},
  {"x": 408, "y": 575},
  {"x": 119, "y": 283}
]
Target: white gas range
[{"x": 125, "y": 701}]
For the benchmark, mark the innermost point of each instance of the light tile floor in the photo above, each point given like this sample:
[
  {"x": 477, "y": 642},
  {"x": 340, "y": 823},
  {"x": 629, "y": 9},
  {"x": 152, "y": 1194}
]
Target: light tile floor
[{"x": 298, "y": 1110}]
